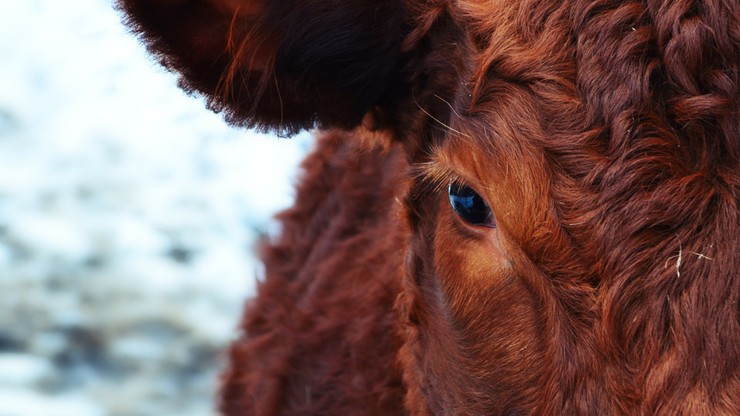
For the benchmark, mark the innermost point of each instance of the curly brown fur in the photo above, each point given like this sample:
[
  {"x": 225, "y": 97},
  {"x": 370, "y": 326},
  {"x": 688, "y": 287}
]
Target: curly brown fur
[
  {"x": 333, "y": 351},
  {"x": 605, "y": 136}
]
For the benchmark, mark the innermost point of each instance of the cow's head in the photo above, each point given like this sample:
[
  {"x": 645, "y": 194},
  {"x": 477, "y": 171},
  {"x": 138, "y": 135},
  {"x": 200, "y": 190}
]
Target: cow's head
[{"x": 574, "y": 197}]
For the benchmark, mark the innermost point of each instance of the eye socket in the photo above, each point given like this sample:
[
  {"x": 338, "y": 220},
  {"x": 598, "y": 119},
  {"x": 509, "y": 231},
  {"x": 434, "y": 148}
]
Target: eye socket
[{"x": 470, "y": 206}]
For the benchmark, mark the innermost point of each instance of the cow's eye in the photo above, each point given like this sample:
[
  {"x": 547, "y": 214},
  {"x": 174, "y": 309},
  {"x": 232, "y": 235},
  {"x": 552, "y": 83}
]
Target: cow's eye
[{"x": 470, "y": 206}]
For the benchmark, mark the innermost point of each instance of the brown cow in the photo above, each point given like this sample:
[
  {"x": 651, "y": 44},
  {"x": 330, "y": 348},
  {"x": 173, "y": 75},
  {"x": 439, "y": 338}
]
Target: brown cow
[{"x": 516, "y": 206}]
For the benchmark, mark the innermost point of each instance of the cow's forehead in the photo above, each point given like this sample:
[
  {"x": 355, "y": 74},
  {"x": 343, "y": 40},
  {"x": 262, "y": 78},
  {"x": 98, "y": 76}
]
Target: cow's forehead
[{"x": 491, "y": 12}]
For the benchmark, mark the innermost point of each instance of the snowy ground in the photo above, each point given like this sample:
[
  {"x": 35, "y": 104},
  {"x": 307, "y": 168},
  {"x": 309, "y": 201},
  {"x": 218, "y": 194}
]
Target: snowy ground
[{"x": 127, "y": 219}]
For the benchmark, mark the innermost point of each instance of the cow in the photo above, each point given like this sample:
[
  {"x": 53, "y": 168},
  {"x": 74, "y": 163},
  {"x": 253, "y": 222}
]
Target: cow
[{"x": 514, "y": 207}]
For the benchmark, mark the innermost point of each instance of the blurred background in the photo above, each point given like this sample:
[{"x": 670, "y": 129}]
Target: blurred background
[{"x": 128, "y": 217}]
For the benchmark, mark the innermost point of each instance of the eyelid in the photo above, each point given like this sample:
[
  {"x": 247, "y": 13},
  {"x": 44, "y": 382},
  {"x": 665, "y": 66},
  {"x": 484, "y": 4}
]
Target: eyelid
[{"x": 439, "y": 175}]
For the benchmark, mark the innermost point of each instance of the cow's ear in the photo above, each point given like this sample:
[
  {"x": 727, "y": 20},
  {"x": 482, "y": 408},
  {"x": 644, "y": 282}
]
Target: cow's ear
[{"x": 280, "y": 65}]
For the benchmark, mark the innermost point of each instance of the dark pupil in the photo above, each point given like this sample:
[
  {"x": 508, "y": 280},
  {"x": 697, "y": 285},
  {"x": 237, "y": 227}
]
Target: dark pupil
[{"x": 470, "y": 206}]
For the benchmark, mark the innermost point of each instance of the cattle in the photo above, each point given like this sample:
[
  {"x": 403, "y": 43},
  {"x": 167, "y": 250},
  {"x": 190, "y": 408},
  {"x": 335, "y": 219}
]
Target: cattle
[{"x": 514, "y": 207}]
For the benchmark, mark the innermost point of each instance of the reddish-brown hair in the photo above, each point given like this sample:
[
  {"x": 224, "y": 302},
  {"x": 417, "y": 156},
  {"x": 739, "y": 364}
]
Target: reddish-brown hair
[{"x": 603, "y": 135}]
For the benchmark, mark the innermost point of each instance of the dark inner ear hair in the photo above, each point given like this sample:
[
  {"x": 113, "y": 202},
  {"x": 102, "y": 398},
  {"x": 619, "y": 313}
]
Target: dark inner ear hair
[{"x": 338, "y": 59}]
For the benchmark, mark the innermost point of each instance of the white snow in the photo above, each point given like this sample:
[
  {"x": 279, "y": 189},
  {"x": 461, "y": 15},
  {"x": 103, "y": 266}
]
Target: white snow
[
  {"x": 128, "y": 216},
  {"x": 22, "y": 369},
  {"x": 27, "y": 403}
]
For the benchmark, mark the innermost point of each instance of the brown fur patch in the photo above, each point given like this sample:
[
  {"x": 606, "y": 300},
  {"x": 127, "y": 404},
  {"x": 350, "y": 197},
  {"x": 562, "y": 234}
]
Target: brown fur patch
[{"x": 603, "y": 135}]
